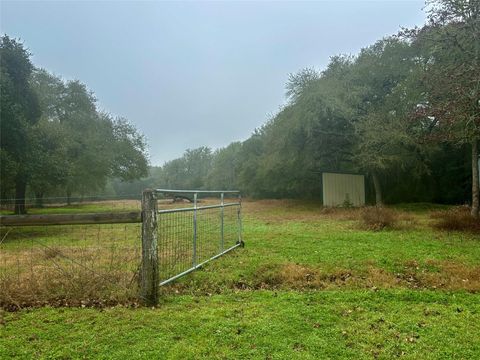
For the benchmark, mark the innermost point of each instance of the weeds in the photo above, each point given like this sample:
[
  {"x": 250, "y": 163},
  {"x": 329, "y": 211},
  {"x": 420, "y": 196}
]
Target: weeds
[
  {"x": 69, "y": 265},
  {"x": 51, "y": 253},
  {"x": 456, "y": 219},
  {"x": 55, "y": 281},
  {"x": 377, "y": 218}
]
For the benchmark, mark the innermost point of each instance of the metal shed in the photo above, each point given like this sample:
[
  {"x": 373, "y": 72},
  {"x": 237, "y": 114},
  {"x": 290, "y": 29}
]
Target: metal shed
[{"x": 343, "y": 189}]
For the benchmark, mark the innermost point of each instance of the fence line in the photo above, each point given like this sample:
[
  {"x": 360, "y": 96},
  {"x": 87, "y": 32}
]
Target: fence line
[
  {"x": 71, "y": 219},
  {"x": 107, "y": 255},
  {"x": 72, "y": 264}
]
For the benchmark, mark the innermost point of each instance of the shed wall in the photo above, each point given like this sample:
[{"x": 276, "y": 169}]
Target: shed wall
[{"x": 338, "y": 188}]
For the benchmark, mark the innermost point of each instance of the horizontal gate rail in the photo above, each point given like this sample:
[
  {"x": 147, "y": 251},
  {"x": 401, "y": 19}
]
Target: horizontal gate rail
[
  {"x": 198, "y": 208},
  {"x": 166, "y": 191},
  {"x": 165, "y": 282}
]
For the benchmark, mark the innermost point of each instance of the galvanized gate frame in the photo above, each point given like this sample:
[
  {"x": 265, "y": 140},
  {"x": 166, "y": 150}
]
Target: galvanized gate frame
[
  {"x": 195, "y": 209},
  {"x": 149, "y": 276}
]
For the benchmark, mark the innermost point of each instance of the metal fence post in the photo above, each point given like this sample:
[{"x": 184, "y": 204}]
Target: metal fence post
[
  {"x": 194, "y": 256},
  {"x": 222, "y": 241},
  {"x": 239, "y": 222},
  {"x": 149, "y": 279}
]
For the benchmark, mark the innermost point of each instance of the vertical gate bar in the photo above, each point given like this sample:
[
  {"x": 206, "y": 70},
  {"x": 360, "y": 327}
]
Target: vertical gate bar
[
  {"x": 222, "y": 241},
  {"x": 194, "y": 259},
  {"x": 239, "y": 220}
]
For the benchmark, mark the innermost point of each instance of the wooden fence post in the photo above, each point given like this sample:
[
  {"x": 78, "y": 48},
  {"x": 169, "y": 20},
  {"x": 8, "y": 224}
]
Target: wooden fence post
[{"x": 149, "y": 272}]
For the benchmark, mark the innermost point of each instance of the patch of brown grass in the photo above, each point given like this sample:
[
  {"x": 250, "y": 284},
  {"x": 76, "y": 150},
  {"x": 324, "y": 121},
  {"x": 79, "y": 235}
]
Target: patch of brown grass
[
  {"x": 340, "y": 213},
  {"x": 296, "y": 276},
  {"x": 67, "y": 276},
  {"x": 380, "y": 278},
  {"x": 66, "y": 287},
  {"x": 451, "y": 276},
  {"x": 51, "y": 253},
  {"x": 377, "y": 218},
  {"x": 434, "y": 275},
  {"x": 456, "y": 219}
]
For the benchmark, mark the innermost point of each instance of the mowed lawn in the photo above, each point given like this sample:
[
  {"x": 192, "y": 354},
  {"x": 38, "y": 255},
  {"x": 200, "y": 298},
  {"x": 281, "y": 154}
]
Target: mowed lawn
[{"x": 310, "y": 283}]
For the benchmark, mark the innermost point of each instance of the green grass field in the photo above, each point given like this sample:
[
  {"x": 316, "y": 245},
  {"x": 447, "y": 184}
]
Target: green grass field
[{"x": 309, "y": 284}]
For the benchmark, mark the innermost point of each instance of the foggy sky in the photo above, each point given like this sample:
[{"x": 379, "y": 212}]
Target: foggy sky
[{"x": 191, "y": 74}]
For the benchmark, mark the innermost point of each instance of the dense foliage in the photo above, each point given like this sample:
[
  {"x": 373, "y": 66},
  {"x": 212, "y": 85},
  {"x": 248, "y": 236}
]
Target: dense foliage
[
  {"x": 404, "y": 111},
  {"x": 54, "y": 140}
]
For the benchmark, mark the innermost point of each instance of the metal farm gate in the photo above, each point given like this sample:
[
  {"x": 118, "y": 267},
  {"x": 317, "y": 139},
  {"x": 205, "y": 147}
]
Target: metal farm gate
[{"x": 176, "y": 240}]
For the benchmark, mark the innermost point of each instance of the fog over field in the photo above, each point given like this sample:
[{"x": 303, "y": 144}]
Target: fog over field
[{"x": 196, "y": 74}]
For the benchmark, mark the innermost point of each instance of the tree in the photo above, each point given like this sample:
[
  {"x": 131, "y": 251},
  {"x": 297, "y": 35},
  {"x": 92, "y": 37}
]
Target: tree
[
  {"x": 8, "y": 169},
  {"x": 311, "y": 134},
  {"x": 223, "y": 174},
  {"x": 48, "y": 162},
  {"x": 76, "y": 148},
  {"x": 386, "y": 141},
  {"x": 51, "y": 93},
  {"x": 129, "y": 160},
  {"x": 299, "y": 82},
  {"x": 249, "y": 177},
  {"x": 98, "y": 146},
  {"x": 20, "y": 110},
  {"x": 450, "y": 57},
  {"x": 357, "y": 116},
  {"x": 188, "y": 172},
  {"x": 53, "y": 137}
]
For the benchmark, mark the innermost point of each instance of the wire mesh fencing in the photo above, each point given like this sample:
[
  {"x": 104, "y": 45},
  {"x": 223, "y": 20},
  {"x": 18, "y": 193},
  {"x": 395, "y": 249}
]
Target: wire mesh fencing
[
  {"x": 71, "y": 264},
  {"x": 188, "y": 237}
]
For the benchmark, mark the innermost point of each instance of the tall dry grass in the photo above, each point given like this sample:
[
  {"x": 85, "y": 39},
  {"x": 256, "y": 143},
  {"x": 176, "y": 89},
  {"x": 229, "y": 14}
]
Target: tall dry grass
[
  {"x": 456, "y": 219},
  {"x": 67, "y": 276},
  {"x": 377, "y": 218}
]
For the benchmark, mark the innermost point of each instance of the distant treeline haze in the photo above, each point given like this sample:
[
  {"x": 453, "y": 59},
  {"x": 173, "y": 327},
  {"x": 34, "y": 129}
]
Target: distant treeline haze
[{"x": 405, "y": 111}]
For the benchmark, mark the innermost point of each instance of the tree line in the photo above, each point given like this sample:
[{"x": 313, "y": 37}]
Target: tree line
[
  {"x": 405, "y": 111},
  {"x": 54, "y": 139}
]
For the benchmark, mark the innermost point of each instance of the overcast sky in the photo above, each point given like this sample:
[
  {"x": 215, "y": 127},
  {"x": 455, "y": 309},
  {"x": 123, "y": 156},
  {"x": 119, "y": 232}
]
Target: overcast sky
[{"x": 189, "y": 74}]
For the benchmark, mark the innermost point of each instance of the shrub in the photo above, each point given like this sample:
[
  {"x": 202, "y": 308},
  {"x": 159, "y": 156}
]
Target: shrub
[
  {"x": 456, "y": 219},
  {"x": 377, "y": 218}
]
